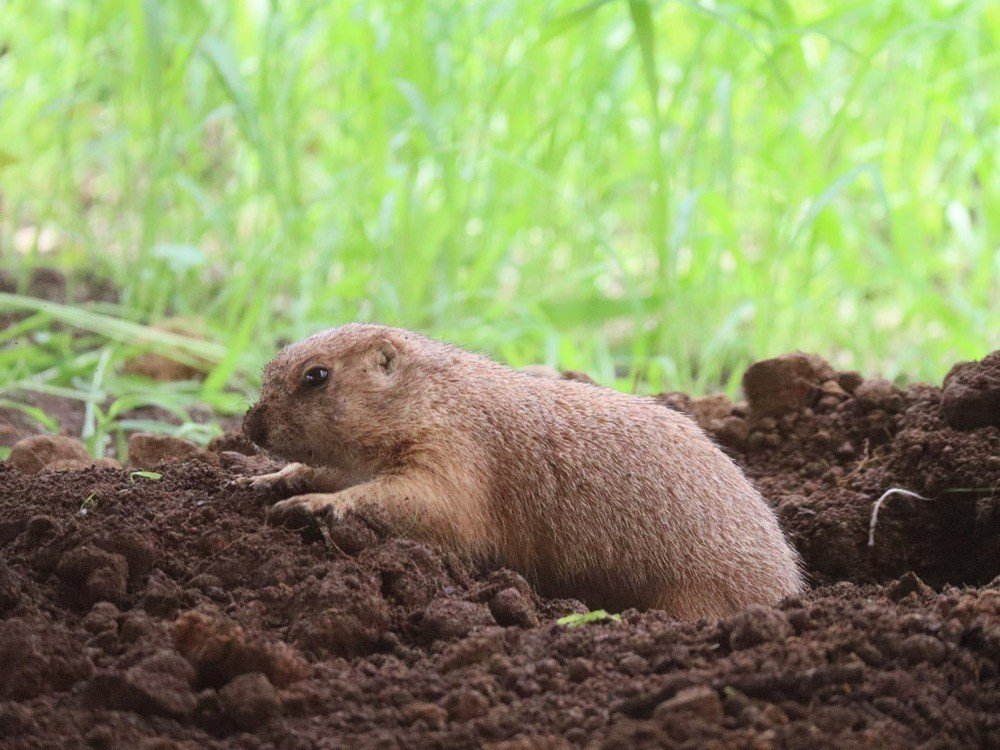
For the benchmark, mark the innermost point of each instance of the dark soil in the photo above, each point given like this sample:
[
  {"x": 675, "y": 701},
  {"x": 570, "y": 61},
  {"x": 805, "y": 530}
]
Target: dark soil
[{"x": 163, "y": 613}]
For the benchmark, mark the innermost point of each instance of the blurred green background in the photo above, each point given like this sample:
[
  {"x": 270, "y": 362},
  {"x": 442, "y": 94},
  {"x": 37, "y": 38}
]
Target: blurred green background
[{"x": 654, "y": 192}]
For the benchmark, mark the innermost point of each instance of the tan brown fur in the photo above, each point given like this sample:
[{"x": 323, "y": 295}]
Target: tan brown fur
[{"x": 588, "y": 492}]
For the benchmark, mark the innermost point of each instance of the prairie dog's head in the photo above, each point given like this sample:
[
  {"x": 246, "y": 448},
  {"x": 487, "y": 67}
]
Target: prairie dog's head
[{"x": 343, "y": 398}]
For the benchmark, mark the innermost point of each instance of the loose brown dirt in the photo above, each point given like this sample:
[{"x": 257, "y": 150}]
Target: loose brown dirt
[{"x": 147, "y": 613}]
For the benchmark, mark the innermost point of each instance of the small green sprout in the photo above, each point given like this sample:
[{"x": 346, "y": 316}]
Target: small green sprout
[
  {"x": 87, "y": 504},
  {"x": 597, "y": 615},
  {"x": 151, "y": 475}
]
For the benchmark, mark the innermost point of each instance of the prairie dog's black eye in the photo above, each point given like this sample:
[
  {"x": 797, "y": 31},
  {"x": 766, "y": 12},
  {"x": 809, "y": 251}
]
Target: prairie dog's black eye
[{"x": 315, "y": 376}]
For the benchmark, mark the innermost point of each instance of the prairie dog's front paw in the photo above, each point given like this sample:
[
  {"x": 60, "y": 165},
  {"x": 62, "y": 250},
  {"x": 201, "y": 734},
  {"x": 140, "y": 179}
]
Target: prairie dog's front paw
[
  {"x": 301, "y": 511},
  {"x": 277, "y": 484}
]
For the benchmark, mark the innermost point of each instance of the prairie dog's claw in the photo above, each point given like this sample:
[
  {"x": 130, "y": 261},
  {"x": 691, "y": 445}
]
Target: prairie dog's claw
[
  {"x": 261, "y": 481},
  {"x": 276, "y": 483}
]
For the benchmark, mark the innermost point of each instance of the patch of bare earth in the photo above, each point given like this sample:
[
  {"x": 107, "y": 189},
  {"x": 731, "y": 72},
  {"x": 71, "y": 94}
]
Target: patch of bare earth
[{"x": 163, "y": 613}]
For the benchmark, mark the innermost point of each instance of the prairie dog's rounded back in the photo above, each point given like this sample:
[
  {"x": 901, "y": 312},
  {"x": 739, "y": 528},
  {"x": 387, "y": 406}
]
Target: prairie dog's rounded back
[{"x": 590, "y": 489}]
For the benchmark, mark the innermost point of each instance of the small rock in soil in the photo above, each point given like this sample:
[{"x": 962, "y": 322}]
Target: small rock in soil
[
  {"x": 476, "y": 649},
  {"x": 351, "y": 534},
  {"x": 971, "y": 395},
  {"x": 756, "y": 625},
  {"x": 32, "y": 454},
  {"x": 163, "y": 596},
  {"x": 105, "y": 584},
  {"x": 219, "y": 649},
  {"x": 465, "y": 704},
  {"x": 97, "y": 575},
  {"x": 250, "y": 700},
  {"x": 878, "y": 393},
  {"x": 511, "y": 607},
  {"x": 920, "y": 648},
  {"x": 829, "y": 396},
  {"x": 909, "y": 583},
  {"x": 849, "y": 380},
  {"x": 136, "y": 625},
  {"x": 146, "y": 451},
  {"x": 102, "y": 617},
  {"x": 633, "y": 665},
  {"x": 430, "y": 715},
  {"x": 411, "y": 573},
  {"x": 447, "y": 619},
  {"x": 785, "y": 383},
  {"x": 699, "y": 701},
  {"x": 162, "y": 684}
]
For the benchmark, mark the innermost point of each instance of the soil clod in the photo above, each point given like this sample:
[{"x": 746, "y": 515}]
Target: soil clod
[
  {"x": 786, "y": 383},
  {"x": 971, "y": 396},
  {"x": 34, "y": 454},
  {"x": 145, "y": 451}
]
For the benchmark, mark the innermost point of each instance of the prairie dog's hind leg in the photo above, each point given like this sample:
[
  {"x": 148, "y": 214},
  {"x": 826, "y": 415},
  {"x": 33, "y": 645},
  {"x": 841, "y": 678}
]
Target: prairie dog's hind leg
[{"x": 302, "y": 510}]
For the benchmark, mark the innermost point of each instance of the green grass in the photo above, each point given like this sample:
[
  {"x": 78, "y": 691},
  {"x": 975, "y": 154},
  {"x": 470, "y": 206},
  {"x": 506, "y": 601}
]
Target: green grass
[{"x": 649, "y": 191}]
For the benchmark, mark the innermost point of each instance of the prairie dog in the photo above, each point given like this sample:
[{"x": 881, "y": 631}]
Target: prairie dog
[{"x": 587, "y": 492}]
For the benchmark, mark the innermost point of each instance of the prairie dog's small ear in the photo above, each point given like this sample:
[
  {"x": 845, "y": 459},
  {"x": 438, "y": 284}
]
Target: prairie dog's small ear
[{"x": 386, "y": 356}]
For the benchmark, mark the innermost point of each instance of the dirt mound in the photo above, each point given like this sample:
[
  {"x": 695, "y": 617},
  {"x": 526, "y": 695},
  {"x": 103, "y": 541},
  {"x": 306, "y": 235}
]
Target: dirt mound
[
  {"x": 823, "y": 447},
  {"x": 971, "y": 396},
  {"x": 162, "y": 613}
]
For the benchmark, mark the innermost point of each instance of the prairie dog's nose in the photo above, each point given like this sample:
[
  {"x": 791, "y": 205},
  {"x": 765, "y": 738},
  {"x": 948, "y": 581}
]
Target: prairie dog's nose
[{"x": 255, "y": 425}]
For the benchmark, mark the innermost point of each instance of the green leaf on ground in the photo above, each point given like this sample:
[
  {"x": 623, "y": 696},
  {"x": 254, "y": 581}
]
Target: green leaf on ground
[
  {"x": 151, "y": 475},
  {"x": 596, "y": 615}
]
